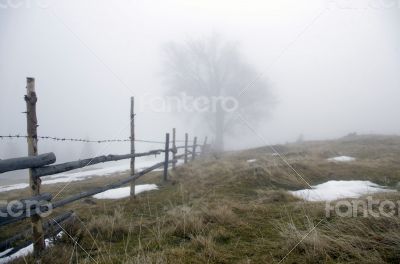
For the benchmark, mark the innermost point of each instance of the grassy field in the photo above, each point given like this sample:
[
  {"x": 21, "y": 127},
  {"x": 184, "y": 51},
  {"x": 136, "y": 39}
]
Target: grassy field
[{"x": 222, "y": 209}]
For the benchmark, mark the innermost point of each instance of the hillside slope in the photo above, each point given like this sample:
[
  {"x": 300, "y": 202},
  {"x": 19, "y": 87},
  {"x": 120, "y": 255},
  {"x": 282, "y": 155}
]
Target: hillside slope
[{"x": 225, "y": 209}]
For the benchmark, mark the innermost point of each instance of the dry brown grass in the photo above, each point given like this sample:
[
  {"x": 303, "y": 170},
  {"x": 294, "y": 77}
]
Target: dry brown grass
[
  {"x": 226, "y": 210},
  {"x": 110, "y": 227},
  {"x": 206, "y": 245},
  {"x": 186, "y": 221},
  {"x": 342, "y": 239},
  {"x": 221, "y": 214}
]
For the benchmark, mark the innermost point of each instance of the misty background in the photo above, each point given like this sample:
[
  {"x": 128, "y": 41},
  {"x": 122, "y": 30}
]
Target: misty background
[{"x": 333, "y": 67}]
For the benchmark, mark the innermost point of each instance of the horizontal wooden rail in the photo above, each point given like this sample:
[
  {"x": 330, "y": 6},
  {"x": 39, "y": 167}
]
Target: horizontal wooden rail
[
  {"x": 189, "y": 146},
  {"x": 180, "y": 147},
  {"x": 22, "y": 204},
  {"x": 73, "y": 198},
  {"x": 42, "y": 165},
  {"x": 180, "y": 156},
  {"x": 24, "y": 235},
  {"x": 120, "y": 183},
  {"x": 27, "y": 162},
  {"x": 68, "y": 166},
  {"x": 24, "y": 208},
  {"x": 51, "y": 232}
]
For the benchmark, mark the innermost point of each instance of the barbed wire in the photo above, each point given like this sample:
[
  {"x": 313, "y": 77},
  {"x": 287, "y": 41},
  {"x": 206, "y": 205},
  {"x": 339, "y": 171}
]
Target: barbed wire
[{"x": 87, "y": 140}]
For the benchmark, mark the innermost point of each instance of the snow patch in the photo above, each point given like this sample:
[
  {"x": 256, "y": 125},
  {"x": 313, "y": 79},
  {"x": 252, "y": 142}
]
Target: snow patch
[
  {"x": 342, "y": 159},
  {"x": 72, "y": 176},
  {"x": 82, "y": 175},
  {"x": 24, "y": 251},
  {"x": 251, "y": 160},
  {"x": 87, "y": 174},
  {"x": 124, "y": 191},
  {"x": 7, "y": 188},
  {"x": 333, "y": 190}
]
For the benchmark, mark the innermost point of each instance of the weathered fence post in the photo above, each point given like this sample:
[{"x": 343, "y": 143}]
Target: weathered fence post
[
  {"x": 132, "y": 116},
  {"x": 166, "y": 160},
  {"x": 194, "y": 148},
  {"x": 186, "y": 147},
  {"x": 203, "y": 149},
  {"x": 173, "y": 148},
  {"x": 34, "y": 182}
]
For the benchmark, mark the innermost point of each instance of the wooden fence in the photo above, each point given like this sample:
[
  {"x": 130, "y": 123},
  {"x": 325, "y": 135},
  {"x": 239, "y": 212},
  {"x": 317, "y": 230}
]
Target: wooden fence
[{"x": 42, "y": 165}]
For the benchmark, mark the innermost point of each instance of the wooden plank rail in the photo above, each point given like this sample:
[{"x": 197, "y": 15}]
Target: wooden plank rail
[
  {"x": 107, "y": 187},
  {"x": 73, "y": 198},
  {"x": 24, "y": 208},
  {"x": 27, "y": 162},
  {"x": 34, "y": 202},
  {"x": 63, "y": 167},
  {"x": 40, "y": 205},
  {"x": 47, "y": 197},
  {"x": 54, "y": 227},
  {"x": 8, "y": 243},
  {"x": 118, "y": 184},
  {"x": 23, "y": 203},
  {"x": 180, "y": 156},
  {"x": 180, "y": 147}
]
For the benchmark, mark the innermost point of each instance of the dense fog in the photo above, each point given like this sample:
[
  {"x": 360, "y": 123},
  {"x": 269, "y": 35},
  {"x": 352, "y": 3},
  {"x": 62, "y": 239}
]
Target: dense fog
[{"x": 331, "y": 69}]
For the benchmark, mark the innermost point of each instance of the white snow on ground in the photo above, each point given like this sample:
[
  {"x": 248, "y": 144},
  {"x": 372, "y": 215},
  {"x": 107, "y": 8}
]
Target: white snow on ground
[
  {"x": 124, "y": 191},
  {"x": 178, "y": 163},
  {"x": 251, "y": 160},
  {"x": 87, "y": 174},
  {"x": 342, "y": 159},
  {"x": 23, "y": 251},
  {"x": 67, "y": 177},
  {"x": 82, "y": 175},
  {"x": 6, "y": 188},
  {"x": 333, "y": 190}
]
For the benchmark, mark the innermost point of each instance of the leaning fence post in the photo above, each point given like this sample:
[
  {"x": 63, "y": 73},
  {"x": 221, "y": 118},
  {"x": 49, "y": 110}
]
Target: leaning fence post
[
  {"x": 186, "y": 147},
  {"x": 203, "y": 149},
  {"x": 34, "y": 182},
  {"x": 132, "y": 118},
  {"x": 194, "y": 148},
  {"x": 173, "y": 148},
  {"x": 166, "y": 161}
]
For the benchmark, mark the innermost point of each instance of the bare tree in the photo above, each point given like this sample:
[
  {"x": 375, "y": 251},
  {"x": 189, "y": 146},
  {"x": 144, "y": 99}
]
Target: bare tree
[{"x": 214, "y": 69}]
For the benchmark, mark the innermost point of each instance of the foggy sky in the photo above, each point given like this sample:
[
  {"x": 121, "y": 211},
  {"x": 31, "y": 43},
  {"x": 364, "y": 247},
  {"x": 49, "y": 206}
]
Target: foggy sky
[{"x": 334, "y": 67}]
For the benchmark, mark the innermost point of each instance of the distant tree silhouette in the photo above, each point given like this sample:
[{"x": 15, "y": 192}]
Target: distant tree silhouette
[{"x": 213, "y": 68}]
